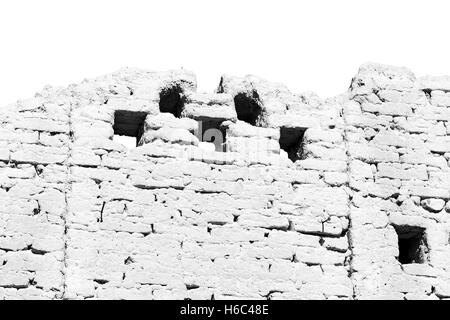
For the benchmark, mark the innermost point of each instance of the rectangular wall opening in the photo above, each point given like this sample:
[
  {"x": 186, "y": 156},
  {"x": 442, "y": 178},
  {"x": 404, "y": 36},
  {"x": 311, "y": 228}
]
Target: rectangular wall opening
[
  {"x": 291, "y": 141},
  {"x": 128, "y": 127},
  {"x": 412, "y": 244},
  {"x": 171, "y": 100},
  {"x": 248, "y": 107},
  {"x": 213, "y": 135}
]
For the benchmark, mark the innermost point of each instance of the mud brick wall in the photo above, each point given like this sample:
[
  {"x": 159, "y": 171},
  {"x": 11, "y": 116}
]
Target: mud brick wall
[
  {"x": 397, "y": 133},
  {"x": 251, "y": 192}
]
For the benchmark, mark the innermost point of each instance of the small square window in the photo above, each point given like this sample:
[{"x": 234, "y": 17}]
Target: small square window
[
  {"x": 291, "y": 141},
  {"x": 128, "y": 127},
  {"x": 412, "y": 244},
  {"x": 248, "y": 108},
  {"x": 128, "y": 142},
  {"x": 171, "y": 100},
  {"x": 213, "y": 133}
]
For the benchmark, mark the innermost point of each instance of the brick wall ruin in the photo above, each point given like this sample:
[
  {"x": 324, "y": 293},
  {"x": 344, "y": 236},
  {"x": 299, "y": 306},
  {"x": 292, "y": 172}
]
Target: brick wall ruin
[{"x": 252, "y": 192}]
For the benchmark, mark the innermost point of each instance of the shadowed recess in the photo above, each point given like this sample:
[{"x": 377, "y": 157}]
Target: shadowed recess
[
  {"x": 214, "y": 132},
  {"x": 171, "y": 100},
  {"x": 412, "y": 244},
  {"x": 129, "y": 123},
  {"x": 248, "y": 108}
]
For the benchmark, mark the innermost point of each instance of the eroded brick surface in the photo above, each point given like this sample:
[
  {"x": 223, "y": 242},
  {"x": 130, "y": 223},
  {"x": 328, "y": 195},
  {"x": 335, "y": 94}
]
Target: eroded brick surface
[{"x": 302, "y": 198}]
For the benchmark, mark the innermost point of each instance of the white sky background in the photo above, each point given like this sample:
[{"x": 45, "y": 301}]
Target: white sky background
[{"x": 308, "y": 45}]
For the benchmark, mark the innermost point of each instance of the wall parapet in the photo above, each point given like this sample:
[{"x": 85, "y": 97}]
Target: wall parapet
[{"x": 250, "y": 192}]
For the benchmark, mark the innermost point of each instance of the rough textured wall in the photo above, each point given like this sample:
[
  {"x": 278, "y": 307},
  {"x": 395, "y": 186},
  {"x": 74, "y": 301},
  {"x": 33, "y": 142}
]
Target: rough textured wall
[
  {"x": 304, "y": 199},
  {"x": 397, "y": 133}
]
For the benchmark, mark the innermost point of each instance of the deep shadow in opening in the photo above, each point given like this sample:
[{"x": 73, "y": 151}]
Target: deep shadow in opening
[
  {"x": 291, "y": 141},
  {"x": 216, "y": 136},
  {"x": 171, "y": 100},
  {"x": 129, "y": 123},
  {"x": 412, "y": 244},
  {"x": 248, "y": 108}
]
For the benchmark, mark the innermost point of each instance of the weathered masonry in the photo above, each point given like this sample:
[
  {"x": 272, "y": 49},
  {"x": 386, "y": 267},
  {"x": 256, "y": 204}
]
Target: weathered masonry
[{"x": 250, "y": 192}]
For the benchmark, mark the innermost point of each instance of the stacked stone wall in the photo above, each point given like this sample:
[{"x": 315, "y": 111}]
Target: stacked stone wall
[{"x": 252, "y": 192}]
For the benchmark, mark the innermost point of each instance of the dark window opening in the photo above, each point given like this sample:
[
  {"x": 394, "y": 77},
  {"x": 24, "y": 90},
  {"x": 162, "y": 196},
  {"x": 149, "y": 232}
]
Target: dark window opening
[
  {"x": 128, "y": 127},
  {"x": 248, "y": 108},
  {"x": 291, "y": 141},
  {"x": 213, "y": 132},
  {"x": 171, "y": 100},
  {"x": 412, "y": 244}
]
